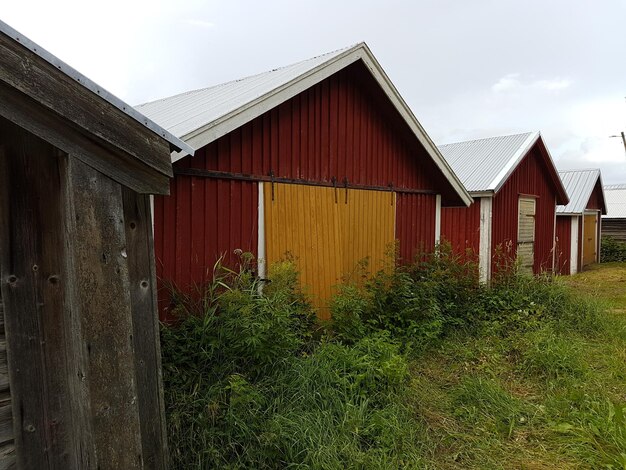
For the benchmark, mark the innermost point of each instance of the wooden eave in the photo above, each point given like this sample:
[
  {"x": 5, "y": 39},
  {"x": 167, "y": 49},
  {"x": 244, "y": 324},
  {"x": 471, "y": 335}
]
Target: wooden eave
[{"x": 42, "y": 99}]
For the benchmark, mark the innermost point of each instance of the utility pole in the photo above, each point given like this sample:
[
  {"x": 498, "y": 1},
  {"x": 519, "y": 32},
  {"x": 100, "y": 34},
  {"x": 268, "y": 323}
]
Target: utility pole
[{"x": 623, "y": 138}]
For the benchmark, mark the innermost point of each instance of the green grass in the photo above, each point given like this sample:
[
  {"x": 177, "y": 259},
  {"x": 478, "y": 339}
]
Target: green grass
[
  {"x": 605, "y": 281},
  {"x": 423, "y": 369}
]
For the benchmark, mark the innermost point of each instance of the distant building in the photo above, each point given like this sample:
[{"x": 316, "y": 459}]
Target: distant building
[
  {"x": 578, "y": 224},
  {"x": 516, "y": 188},
  {"x": 614, "y": 222}
]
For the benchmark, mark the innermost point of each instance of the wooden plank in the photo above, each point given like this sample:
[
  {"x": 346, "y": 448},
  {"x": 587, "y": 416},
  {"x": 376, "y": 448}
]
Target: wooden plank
[
  {"x": 6, "y": 422},
  {"x": 8, "y": 459},
  {"x": 25, "y": 71},
  {"x": 102, "y": 290},
  {"x": 615, "y": 228},
  {"x": 120, "y": 166},
  {"x": 7, "y": 450},
  {"x": 7, "y": 445},
  {"x": 1, "y": 312},
  {"x": 4, "y": 370},
  {"x": 139, "y": 246},
  {"x": 589, "y": 239},
  {"x": 327, "y": 238},
  {"x": 526, "y": 233},
  {"x": 34, "y": 291}
]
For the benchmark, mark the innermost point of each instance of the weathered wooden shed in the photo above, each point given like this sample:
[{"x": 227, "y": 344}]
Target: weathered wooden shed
[
  {"x": 578, "y": 224},
  {"x": 322, "y": 159},
  {"x": 80, "y": 383},
  {"x": 614, "y": 221},
  {"x": 516, "y": 188}
]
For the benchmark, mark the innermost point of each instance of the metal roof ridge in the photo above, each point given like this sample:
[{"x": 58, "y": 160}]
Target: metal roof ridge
[
  {"x": 514, "y": 160},
  {"x": 248, "y": 77},
  {"x": 579, "y": 170},
  {"x": 483, "y": 138},
  {"x": 336, "y": 61},
  {"x": 269, "y": 94}
]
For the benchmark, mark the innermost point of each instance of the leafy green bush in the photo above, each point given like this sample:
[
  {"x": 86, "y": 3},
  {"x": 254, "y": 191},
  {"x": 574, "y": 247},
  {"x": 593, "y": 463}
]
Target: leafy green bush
[
  {"x": 519, "y": 302},
  {"x": 612, "y": 250},
  {"x": 251, "y": 381},
  {"x": 247, "y": 387},
  {"x": 415, "y": 303},
  {"x": 453, "y": 279}
]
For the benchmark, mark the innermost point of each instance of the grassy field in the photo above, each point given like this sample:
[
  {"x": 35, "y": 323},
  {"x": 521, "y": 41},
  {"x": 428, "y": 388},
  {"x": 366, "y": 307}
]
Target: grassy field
[
  {"x": 420, "y": 368},
  {"x": 538, "y": 399},
  {"x": 606, "y": 281}
]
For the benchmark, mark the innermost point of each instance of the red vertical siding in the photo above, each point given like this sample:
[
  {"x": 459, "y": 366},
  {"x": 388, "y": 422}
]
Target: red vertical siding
[
  {"x": 202, "y": 220},
  {"x": 339, "y": 128},
  {"x": 595, "y": 200},
  {"x": 461, "y": 227},
  {"x": 563, "y": 244},
  {"x": 342, "y": 128},
  {"x": 415, "y": 224},
  {"x": 529, "y": 178}
]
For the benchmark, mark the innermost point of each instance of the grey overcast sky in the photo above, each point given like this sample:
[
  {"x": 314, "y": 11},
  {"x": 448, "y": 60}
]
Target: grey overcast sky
[{"x": 468, "y": 68}]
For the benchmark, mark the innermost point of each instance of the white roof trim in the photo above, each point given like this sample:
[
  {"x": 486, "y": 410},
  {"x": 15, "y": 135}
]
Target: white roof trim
[
  {"x": 506, "y": 171},
  {"x": 481, "y": 193},
  {"x": 231, "y": 121}
]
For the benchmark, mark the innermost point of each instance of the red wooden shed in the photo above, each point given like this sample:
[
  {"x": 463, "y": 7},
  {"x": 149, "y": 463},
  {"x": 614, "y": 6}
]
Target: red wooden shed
[
  {"x": 579, "y": 224},
  {"x": 322, "y": 159},
  {"x": 516, "y": 188}
]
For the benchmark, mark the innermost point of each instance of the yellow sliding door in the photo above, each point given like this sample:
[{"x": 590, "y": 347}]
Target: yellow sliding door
[{"x": 327, "y": 231}]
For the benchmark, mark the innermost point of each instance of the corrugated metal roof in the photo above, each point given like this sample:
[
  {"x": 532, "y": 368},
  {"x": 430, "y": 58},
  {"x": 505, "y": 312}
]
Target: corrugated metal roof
[
  {"x": 199, "y": 117},
  {"x": 579, "y": 185},
  {"x": 187, "y": 112},
  {"x": 615, "y": 197},
  {"x": 94, "y": 88},
  {"x": 484, "y": 164}
]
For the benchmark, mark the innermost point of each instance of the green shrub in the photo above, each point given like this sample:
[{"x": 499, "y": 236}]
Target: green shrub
[
  {"x": 612, "y": 250},
  {"x": 250, "y": 382},
  {"x": 521, "y": 302},
  {"x": 404, "y": 307},
  {"x": 247, "y": 387},
  {"x": 453, "y": 279},
  {"x": 348, "y": 310}
]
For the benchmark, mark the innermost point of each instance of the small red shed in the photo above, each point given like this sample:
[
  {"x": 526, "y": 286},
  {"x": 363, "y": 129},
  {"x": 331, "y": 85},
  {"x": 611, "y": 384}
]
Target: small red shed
[
  {"x": 579, "y": 223},
  {"x": 516, "y": 188},
  {"x": 322, "y": 159}
]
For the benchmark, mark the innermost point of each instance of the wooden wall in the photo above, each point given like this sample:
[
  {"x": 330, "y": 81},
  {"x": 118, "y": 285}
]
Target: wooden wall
[
  {"x": 563, "y": 244},
  {"x": 460, "y": 226},
  {"x": 78, "y": 284},
  {"x": 530, "y": 178},
  {"x": 615, "y": 228}
]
